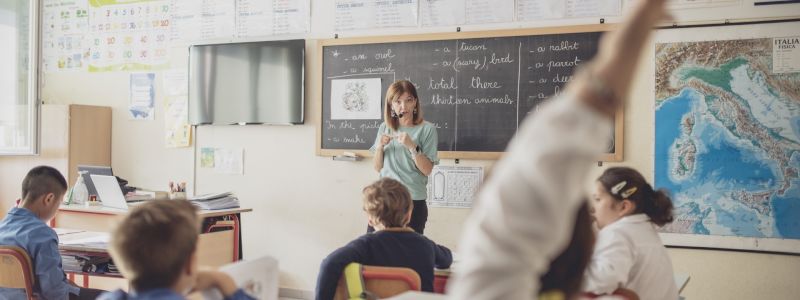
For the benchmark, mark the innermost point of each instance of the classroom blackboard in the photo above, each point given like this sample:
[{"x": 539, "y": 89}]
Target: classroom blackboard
[{"x": 475, "y": 88}]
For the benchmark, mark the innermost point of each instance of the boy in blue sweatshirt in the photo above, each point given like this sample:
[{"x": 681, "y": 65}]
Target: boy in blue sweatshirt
[{"x": 25, "y": 226}]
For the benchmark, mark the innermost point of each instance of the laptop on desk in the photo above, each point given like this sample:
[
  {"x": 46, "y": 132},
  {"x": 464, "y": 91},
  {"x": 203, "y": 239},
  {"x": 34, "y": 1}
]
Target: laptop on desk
[
  {"x": 93, "y": 170},
  {"x": 109, "y": 192}
]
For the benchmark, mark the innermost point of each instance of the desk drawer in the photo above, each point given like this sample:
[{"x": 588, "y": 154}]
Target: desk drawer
[{"x": 87, "y": 221}]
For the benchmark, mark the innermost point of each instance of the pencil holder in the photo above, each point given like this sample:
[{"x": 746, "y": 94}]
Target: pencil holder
[{"x": 177, "y": 196}]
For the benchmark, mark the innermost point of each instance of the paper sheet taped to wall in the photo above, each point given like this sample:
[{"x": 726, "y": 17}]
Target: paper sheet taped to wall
[{"x": 452, "y": 186}]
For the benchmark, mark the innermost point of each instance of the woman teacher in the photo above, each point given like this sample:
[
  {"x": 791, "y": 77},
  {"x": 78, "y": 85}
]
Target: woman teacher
[{"x": 405, "y": 148}]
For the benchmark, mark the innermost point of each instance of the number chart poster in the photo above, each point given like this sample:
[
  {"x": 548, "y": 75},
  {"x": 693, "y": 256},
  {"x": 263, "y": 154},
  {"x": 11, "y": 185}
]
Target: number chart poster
[{"x": 128, "y": 36}]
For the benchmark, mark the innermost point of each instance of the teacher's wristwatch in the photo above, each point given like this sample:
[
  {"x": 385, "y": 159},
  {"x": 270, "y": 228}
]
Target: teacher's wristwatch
[{"x": 416, "y": 151}]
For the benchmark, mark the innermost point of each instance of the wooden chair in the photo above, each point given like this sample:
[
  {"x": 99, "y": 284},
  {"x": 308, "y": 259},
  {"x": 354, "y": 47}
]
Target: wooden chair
[
  {"x": 16, "y": 269},
  {"x": 383, "y": 282}
]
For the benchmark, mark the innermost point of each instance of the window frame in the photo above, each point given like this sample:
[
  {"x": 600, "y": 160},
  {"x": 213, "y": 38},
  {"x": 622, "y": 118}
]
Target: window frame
[{"x": 34, "y": 103}]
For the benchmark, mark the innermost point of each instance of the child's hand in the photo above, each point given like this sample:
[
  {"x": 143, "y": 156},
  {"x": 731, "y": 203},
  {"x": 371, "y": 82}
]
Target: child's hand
[{"x": 214, "y": 279}]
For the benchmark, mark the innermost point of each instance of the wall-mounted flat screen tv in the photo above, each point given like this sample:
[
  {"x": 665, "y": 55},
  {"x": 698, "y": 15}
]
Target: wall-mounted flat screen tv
[{"x": 247, "y": 83}]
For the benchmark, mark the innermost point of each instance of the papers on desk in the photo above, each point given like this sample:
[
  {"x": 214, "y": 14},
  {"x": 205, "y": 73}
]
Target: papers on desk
[
  {"x": 85, "y": 251},
  {"x": 257, "y": 278},
  {"x": 210, "y": 196},
  {"x": 64, "y": 231},
  {"x": 88, "y": 264},
  {"x": 87, "y": 239},
  {"x": 216, "y": 201}
]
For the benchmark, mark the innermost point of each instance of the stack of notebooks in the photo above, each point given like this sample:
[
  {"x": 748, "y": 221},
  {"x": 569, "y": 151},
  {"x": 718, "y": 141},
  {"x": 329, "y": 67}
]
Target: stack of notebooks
[
  {"x": 87, "y": 264},
  {"x": 216, "y": 201}
]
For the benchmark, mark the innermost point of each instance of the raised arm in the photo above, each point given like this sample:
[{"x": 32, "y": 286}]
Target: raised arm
[{"x": 523, "y": 215}]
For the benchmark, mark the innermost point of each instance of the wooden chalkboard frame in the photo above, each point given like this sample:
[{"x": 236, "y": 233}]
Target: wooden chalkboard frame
[{"x": 616, "y": 156}]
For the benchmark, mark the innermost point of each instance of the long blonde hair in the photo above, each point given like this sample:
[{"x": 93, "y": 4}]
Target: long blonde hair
[{"x": 397, "y": 89}]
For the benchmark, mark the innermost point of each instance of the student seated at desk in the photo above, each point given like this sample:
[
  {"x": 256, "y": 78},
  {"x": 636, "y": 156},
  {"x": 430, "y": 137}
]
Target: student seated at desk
[
  {"x": 388, "y": 205},
  {"x": 629, "y": 253},
  {"x": 26, "y": 227},
  {"x": 155, "y": 248}
]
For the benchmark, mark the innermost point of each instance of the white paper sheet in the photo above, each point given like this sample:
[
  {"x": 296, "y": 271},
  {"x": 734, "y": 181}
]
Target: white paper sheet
[
  {"x": 363, "y": 14},
  {"x": 176, "y": 122},
  {"x": 219, "y": 19},
  {"x": 291, "y": 16},
  {"x": 689, "y": 4},
  {"x": 142, "y": 96},
  {"x": 533, "y": 10},
  {"x": 356, "y": 99},
  {"x": 63, "y": 231},
  {"x": 489, "y": 11},
  {"x": 175, "y": 82},
  {"x": 452, "y": 186},
  {"x": 229, "y": 160},
  {"x": 271, "y": 17},
  {"x": 441, "y": 12},
  {"x": 186, "y": 16},
  {"x": 65, "y": 25},
  {"x": 256, "y": 277},
  {"x": 254, "y": 18},
  {"x": 592, "y": 8},
  {"x": 786, "y": 55},
  {"x": 88, "y": 239}
]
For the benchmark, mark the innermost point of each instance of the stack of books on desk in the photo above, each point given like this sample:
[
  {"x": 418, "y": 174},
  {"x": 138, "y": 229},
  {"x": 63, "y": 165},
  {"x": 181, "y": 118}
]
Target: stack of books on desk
[
  {"x": 85, "y": 264},
  {"x": 216, "y": 201}
]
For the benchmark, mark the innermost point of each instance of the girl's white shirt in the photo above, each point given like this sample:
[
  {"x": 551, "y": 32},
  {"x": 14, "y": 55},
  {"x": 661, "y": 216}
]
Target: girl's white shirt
[{"x": 629, "y": 254}]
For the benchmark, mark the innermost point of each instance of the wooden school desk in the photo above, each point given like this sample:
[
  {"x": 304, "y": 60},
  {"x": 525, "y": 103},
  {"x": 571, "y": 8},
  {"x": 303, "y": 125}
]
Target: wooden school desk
[{"x": 211, "y": 246}]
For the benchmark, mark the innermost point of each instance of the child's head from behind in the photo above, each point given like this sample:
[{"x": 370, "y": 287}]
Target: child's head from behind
[
  {"x": 42, "y": 191},
  {"x": 388, "y": 203},
  {"x": 154, "y": 246},
  {"x": 623, "y": 191}
]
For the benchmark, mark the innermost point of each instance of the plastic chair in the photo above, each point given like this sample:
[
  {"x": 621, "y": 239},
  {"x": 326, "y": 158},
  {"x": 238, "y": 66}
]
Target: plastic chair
[
  {"x": 16, "y": 269},
  {"x": 382, "y": 282}
]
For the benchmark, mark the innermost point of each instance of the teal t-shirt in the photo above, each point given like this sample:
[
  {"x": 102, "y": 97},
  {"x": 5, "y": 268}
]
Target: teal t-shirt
[{"x": 398, "y": 162}]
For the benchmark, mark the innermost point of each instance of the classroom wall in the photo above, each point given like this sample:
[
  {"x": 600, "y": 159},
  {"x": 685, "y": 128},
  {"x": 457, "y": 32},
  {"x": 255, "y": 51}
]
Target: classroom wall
[{"x": 305, "y": 206}]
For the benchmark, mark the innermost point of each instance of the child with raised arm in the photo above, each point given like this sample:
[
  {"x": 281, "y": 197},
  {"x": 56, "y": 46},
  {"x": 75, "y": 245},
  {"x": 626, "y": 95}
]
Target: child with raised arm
[
  {"x": 523, "y": 214},
  {"x": 155, "y": 248},
  {"x": 393, "y": 244},
  {"x": 629, "y": 253},
  {"x": 25, "y": 226}
]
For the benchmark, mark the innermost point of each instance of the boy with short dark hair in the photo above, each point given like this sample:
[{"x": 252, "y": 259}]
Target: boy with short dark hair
[
  {"x": 25, "y": 226},
  {"x": 155, "y": 248}
]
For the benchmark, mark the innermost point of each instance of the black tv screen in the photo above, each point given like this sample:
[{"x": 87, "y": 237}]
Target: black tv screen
[{"x": 250, "y": 83}]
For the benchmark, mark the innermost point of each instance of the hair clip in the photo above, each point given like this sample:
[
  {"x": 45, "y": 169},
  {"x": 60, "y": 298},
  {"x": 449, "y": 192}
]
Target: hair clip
[
  {"x": 617, "y": 187},
  {"x": 627, "y": 193}
]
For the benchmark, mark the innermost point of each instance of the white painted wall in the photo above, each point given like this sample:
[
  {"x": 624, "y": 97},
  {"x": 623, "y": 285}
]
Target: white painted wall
[{"x": 305, "y": 206}]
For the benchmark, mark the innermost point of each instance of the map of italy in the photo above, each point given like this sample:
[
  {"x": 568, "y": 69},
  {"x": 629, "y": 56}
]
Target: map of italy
[{"x": 727, "y": 140}]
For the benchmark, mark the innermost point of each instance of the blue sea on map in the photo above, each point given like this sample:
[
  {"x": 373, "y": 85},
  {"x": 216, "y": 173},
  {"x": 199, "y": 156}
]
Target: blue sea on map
[{"x": 724, "y": 164}]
